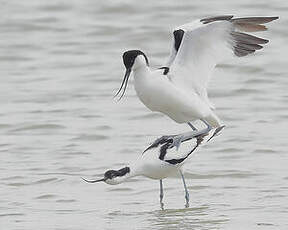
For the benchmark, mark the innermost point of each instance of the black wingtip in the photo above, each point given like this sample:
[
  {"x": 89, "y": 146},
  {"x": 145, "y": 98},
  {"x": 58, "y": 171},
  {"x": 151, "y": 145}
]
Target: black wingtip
[{"x": 274, "y": 18}]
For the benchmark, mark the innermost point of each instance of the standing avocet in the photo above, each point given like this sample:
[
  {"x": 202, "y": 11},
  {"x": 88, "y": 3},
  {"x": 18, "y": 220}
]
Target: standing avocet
[
  {"x": 160, "y": 160},
  {"x": 179, "y": 89}
]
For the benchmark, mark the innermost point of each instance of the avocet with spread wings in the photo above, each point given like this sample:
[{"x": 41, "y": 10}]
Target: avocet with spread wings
[{"x": 179, "y": 89}]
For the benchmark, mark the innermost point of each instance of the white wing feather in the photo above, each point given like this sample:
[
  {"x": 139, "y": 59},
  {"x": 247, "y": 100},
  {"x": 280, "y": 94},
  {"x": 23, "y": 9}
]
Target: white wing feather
[
  {"x": 200, "y": 50},
  {"x": 206, "y": 43},
  {"x": 186, "y": 27}
]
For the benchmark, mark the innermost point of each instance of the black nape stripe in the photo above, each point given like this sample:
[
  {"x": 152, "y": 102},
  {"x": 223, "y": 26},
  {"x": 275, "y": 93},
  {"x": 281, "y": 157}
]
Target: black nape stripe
[
  {"x": 129, "y": 57},
  {"x": 115, "y": 173},
  {"x": 123, "y": 171}
]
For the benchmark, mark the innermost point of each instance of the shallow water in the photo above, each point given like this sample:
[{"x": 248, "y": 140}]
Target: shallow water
[{"x": 60, "y": 64}]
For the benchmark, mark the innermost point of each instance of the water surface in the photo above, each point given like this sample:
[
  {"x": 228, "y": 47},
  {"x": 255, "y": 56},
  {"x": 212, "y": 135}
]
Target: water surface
[{"x": 60, "y": 64}]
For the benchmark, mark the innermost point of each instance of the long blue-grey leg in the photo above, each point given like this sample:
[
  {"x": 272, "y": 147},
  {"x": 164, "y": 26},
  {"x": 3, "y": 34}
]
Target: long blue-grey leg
[
  {"x": 161, "y": 195},
  {"x": 191, "y": 126},
  {"x": 186, "y": 190}
]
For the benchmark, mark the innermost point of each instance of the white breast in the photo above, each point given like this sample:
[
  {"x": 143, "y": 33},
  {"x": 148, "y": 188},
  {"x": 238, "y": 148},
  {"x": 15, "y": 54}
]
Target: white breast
[
  {"x": 158, "y": 93},
  {"x": 152, "y": 167}
]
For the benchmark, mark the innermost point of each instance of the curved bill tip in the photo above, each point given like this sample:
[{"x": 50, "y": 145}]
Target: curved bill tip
[
  {"x": 123, "y": 84},
  {"x": 93, "y": 181}
]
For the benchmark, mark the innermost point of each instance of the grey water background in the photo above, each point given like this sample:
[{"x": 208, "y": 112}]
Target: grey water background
[{"x": 60, "y": 64}]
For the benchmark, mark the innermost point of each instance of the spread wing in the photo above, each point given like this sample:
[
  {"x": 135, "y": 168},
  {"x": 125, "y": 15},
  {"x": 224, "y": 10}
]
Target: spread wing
[{"x": 199, "y": 46}]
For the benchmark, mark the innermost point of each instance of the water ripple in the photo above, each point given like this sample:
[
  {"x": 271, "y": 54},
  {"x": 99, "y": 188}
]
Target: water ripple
[{"x": 60, "y": 62}]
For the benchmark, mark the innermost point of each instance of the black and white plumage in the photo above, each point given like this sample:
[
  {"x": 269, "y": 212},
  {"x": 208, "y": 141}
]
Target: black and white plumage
[
  {"x": 196, "y": 49},
  {"x": 160, "y": 160},
  {"x": 179, "y": 90}
]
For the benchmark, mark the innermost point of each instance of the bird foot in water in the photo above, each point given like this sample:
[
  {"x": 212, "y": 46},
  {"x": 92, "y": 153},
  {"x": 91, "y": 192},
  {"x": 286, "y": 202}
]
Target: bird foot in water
[
  {"x": 187, "y": 200},
  {"x": 162, "y": 205}
]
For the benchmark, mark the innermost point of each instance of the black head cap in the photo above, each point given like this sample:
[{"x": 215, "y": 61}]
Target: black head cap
[
  {"x": 110, "y": 175},
  {"x": 115, "y": 173},
  {"x": 129, "y": 57},
  {"x": 178, "y": 36}
]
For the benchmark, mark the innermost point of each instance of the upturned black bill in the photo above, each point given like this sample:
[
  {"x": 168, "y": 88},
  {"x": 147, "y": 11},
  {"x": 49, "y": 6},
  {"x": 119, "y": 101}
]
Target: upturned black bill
[
  {"x": 94, "y": 181},
  {"x": 124, "y": 84}
]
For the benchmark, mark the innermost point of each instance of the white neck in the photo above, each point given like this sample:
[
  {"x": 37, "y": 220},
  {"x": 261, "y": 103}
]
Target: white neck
[
  {"x": 140, "y": 72},
  {"x": 139, "y": 63},
  {"x": 136, "y": 168}
]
